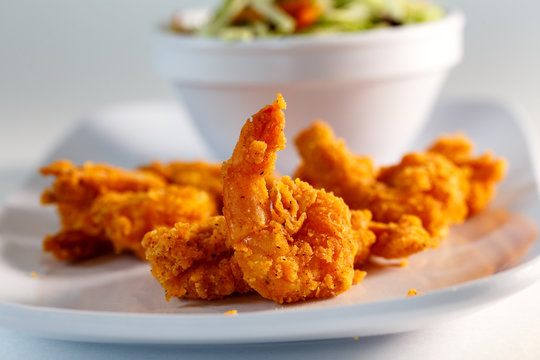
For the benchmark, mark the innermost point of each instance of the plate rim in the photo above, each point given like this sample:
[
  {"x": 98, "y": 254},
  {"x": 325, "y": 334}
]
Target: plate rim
[
  {"x": 462, "y": 298},
  {"x": 493, "y": 288}
]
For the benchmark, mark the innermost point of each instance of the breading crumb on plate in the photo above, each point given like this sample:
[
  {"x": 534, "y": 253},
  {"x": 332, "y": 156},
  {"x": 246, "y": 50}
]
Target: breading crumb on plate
[
  {"x": 359, "y": 275},
  {"x": 414, "y": 292}
]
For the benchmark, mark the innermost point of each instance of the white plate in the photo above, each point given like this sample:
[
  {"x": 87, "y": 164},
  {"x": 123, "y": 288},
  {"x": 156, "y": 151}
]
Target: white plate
[{"x": 115, "y": 299}]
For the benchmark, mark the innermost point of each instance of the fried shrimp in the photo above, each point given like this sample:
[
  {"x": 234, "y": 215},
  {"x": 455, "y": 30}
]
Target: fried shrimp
[
  {"x": 200, "y": 174},
  {"x": 360, "y": 222},
  {"x": 426, "y": 185},
  {"x": 82, "y": 184},
  {"x": 292, "y": 242},
  {"x": 328, "y": 164},
  {"x": 104, "y": 208},
  {"x": 441, "y": 186},
  {"x": 117, "y": 221},
  {"x": 69, "y": 245},
  {"x": 126, "y": 217},
  {"x": 193, "y": 261},
  {"x": 212, "y": 230},
  {"x": 400, "y": 239},
  {"x": 388, "y": 240},
  {"x": 483, "y": 173}
]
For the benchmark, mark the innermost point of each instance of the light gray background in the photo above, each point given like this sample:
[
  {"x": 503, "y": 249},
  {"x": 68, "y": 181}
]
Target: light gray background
[{"x": 60, "y": 59}]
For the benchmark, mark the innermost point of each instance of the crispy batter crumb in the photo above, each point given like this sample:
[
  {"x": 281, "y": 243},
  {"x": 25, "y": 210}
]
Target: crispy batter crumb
[
  {"x": 359, "y": 275},
  {"x": 231, "y": 312},
  {"x": 414, "y": 292},
  {"x": 404, "y": 263},
  {"x": 34, "y": 274}
]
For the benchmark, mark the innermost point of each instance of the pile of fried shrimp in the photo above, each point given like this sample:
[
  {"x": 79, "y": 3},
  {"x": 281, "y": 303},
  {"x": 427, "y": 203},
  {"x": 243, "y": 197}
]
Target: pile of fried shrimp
[{"x": 212, "y": 230}]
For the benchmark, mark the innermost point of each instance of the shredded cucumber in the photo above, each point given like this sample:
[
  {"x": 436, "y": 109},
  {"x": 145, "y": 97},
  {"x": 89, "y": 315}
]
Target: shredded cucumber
[{"x": 260, "y": 18}]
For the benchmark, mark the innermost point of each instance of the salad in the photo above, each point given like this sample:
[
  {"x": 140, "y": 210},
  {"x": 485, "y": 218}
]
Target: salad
[{"x": 247, "y": 19}]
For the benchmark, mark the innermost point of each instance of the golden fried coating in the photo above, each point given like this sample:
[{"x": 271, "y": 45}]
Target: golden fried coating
[
  {"x": 360, "y": 222},
  {"x": 122, "y": 219},
  {"x": 193, "y": 261},
  {"x": 126, "y": 217},
  {"x": 80, "y": 237},
  {"x": 401, "y": 239},
  {"x": 426, "y": 185},
  {"x": 441, "y": 186},
  {"x": 82, "y": 184},
  {"x": 78, "y": 217},
  {"x": 203, "y": 175},
  {"x": 99, "y": 203},
  {"x": 389, "y": 240},
  {"x": 292, "y": 242},
  {"x": 200, "y": 174},
  {"x": 483, "y": 173},
  {"x": 328, "y": 164},
  {"x": 70, "y": 245}
]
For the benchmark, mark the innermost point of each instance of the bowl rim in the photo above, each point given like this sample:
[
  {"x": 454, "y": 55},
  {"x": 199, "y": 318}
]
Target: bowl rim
[{"x": 453, "y": 19}]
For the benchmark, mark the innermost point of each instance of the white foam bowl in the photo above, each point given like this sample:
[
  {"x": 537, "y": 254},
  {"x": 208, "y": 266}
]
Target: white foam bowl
[{"x": 375, "y": 88}]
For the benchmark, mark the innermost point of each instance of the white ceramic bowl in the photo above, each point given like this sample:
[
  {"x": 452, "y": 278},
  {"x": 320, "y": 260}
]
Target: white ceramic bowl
[{"x": 375, "y": 88}]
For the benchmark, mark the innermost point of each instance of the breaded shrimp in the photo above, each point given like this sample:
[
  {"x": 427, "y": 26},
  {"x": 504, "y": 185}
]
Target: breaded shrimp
[
  {"x": 328, "y": 164},
  {"x": 401, "y": 239},
  {"x": 292, "y": 242},
  {"x": 200, "y": 174},
  {"x": 483, "y": 173},
  {"x": 389, "y": 240},
  {"x": 104, "y": 208},
  {"x": 193, "y": 261},
  {"x": 441, "y": 186},
  {"x": 70, "y": 245},
  {"x": 122, "y": 219},
  {"x": 360, "y": 222},
  {"x": 126, "y": 217},
  {"x": 426, "y": 185},
  {"x": 82, "y": 184}
]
